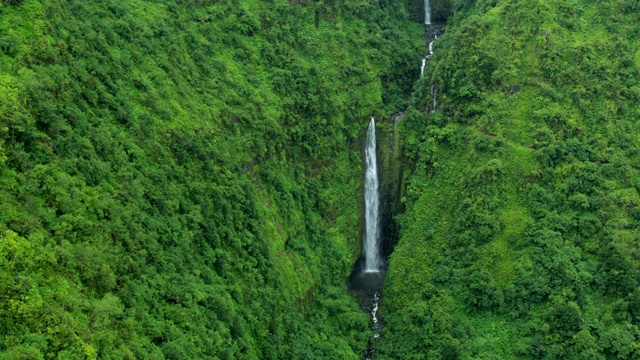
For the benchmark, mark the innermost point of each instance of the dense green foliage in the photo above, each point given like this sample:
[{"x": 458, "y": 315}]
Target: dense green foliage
[
  {"x": 521, "y": 238},
  {"x": 180, "y": 179}
]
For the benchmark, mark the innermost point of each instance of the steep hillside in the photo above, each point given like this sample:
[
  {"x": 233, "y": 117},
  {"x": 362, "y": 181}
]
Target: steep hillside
[
  {"x": 521, "y": 236},
  {"x": 181, "y": 180}
]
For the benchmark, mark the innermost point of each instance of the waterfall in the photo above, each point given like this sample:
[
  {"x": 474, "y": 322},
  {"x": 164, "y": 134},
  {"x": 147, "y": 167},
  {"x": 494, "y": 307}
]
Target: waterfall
[
  {"x": 427, "y": 12},
  {"x": 374, "y": 313},
  {"x": 434, "y": 92},
  {"x": 372, "y": 204},
  {"x": 367, "y": 278},
  {"x": 424, "y": 59}
]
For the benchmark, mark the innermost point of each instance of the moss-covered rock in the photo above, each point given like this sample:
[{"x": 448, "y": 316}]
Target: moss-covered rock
[{"x": 391, "y": 178}]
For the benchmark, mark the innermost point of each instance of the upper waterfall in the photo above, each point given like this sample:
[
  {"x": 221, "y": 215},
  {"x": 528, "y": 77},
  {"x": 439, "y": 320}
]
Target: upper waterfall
[
  {"x": 372, "y": 204},
  {"x": 427, "y": 12}
]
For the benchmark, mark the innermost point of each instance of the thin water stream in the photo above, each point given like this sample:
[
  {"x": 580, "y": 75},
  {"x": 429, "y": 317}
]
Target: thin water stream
[{"x": 426, "y": 57}]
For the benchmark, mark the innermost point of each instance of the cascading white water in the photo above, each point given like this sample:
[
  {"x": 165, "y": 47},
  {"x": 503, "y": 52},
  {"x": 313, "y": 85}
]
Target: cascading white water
[
  {"x": 424, "y": 59},
  {"x": 372, "y": 204},
  {"x": 374, "y": 313},
  {"x": 434, "y": 93},
  {"x": 427, "y": 12}
]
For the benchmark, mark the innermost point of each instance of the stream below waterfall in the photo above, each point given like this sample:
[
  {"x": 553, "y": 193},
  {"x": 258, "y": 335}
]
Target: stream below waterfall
[{"x": 366, "y": 288}]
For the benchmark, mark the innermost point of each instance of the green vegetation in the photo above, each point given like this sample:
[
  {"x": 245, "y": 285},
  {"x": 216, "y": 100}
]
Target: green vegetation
[
  {"x": 181, "y": 179},
  {"x": 521, "y": 237}
]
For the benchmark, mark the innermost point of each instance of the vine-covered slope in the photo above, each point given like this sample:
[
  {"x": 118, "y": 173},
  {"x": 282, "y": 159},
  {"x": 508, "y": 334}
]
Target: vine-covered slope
[
  {"x": 521, "y": 238},
  {"x": 180, "y": 179}
]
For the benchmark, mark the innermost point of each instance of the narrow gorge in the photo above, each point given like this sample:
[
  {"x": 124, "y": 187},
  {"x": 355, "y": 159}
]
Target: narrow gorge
[{"x": 383, "y": 191}]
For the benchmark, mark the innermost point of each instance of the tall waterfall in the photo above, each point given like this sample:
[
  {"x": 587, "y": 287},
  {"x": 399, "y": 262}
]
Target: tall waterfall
[
  {"x": 427, "y": 12},
  {"x": 372, "y": 204}
]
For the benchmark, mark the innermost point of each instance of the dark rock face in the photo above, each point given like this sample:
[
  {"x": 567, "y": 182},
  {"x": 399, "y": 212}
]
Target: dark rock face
[
  {"x": 391, "y": 180},
  {"x": 416, "y": 10},
  {"x": 441, "y": 10},
  {"x": 431, "y": 31}
]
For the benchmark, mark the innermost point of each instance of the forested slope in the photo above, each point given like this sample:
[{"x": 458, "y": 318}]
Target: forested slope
[
  {"x": 181, "y": 179},
  {"x": 521, "y": 236}
]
